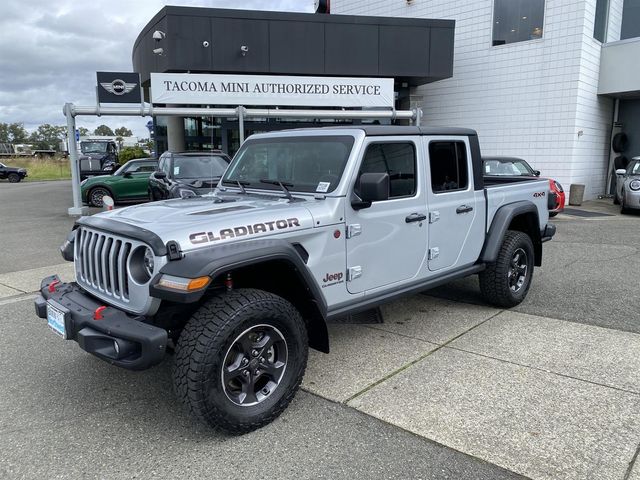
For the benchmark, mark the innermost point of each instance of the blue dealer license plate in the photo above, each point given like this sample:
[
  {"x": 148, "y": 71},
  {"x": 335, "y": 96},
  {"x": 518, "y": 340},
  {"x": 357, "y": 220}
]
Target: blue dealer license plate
[{"x": 56, "y": 320}]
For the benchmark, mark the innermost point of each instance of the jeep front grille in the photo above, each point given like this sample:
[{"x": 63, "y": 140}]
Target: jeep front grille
[{"x": 101, "y": 262}]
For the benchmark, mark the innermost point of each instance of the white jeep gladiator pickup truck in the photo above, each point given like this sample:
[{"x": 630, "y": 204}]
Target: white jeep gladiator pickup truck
[{"x": 305, "y": 227}]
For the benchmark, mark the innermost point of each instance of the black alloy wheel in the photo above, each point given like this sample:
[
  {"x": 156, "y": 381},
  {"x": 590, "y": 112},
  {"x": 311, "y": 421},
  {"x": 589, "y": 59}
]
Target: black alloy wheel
[
  {"x": 96, "y": 195},
  {"x": 517, "y": 272},
  {"x": 254, "y": 365}
]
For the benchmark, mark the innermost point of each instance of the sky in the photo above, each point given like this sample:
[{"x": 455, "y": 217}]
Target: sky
[{"x": 50, "y": 51}]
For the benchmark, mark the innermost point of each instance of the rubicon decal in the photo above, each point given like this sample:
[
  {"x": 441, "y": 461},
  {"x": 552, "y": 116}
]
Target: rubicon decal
[{"x": 243, "y": 230}]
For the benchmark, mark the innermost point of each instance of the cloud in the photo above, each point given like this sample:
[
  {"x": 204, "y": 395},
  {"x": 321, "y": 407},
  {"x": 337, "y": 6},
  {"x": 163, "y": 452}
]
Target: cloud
[{"x": 50, "y": 52}]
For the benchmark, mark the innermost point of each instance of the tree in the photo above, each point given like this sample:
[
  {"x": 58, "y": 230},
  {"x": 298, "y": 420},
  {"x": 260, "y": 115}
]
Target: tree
[
  {"x": 123, "y": 132},
  {"x": 103, "y": 130},
  {"x": 83, "y": 131},
  {"x": 47, "y": 136},
  {"x": 13, "y": 133},
  {"x": 127, "y": 153}
]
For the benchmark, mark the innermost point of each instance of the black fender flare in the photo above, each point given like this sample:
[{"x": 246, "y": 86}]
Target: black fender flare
[
  {"x": 500, "y": 224},
  {"x": 217, "y": 260}
]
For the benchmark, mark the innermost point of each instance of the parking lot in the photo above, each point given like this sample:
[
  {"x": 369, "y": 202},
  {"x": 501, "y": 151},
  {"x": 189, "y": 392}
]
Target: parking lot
[{"x": 446, "y": 387}]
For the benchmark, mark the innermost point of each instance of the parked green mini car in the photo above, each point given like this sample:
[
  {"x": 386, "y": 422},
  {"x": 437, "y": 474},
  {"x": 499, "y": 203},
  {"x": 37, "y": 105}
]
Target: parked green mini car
[{"x": 130, "y": 183}]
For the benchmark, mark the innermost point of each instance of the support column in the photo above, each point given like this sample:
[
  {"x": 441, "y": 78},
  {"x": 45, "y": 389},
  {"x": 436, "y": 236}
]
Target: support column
[
  {"x": 72, "y": 146},
  {"x": 175, "y": 133}
]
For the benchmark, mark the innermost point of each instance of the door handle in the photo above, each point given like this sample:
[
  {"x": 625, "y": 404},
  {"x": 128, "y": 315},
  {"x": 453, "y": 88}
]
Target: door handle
[
  {"x": 415, "y": 217},
  {"x": 464, "y": 209}
]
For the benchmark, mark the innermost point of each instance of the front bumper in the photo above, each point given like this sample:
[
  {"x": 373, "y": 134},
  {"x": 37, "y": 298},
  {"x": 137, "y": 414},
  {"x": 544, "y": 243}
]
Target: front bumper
[
  {"x": 117, "y": 338},
  {"x": 631, "y": 199}
]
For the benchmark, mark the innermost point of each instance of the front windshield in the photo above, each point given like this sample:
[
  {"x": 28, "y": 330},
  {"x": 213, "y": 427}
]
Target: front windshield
[
  {"x": 509, "y": 167},
  {"x": 93, "y": 147},
  {"x": 305, "y": 164},
  {"x": 634, "y": 168},
  {"x": 200, "y": 167}
]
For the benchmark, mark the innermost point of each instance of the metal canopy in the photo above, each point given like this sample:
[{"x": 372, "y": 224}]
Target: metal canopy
[{"x": 71, "y": 111}]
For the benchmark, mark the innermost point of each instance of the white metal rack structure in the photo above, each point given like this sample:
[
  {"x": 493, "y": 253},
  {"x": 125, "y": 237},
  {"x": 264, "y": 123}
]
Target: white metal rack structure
[{"x": 71, "y": 111}]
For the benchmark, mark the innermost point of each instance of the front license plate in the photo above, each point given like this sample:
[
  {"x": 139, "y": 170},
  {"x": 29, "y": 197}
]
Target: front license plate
[{"x": 56, "y": 320}]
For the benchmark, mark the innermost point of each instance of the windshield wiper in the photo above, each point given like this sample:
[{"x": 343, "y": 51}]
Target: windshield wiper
[
  {"x": 281, "y": 184},
  {"x": 240, "y": 183}
]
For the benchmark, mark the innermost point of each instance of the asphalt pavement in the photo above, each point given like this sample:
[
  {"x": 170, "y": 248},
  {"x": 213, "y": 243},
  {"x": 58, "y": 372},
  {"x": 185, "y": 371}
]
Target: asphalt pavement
[{"x": 446, "y": 387}]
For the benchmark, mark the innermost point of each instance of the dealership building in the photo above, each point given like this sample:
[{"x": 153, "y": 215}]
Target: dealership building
[{"x": 550, "y": 81}]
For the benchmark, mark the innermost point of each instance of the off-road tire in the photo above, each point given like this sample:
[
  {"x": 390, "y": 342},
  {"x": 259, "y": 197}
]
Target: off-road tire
[
  {"x": 494, "y": 280},
  {"x": 208, "y": 336},
  {"x": 13, "y": 178}
]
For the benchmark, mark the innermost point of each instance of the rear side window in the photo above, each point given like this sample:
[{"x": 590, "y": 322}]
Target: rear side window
[
  {"x": 396, "y": 159},
  {"x": 448, "y": 163}
]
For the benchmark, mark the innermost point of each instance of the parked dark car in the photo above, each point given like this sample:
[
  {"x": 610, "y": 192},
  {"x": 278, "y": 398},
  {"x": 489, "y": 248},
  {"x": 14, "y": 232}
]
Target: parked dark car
[
  {"x": 187, "y": 174},
  {"x": 130, "y": 183},
  {"x": 99, "y": 157},
  {"x": 513, "y": 166},
  {"x": 13, "y": 174}
]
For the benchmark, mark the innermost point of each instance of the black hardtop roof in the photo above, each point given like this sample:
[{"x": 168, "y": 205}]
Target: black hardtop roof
[{"x": 387, "y": 130}]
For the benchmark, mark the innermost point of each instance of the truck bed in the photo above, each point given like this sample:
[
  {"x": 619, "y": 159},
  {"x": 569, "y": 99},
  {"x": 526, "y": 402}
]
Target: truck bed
[{"x": 501, "y": 190}]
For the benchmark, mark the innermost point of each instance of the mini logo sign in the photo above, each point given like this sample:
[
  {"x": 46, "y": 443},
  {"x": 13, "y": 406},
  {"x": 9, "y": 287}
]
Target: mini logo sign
[{"x": 118, "y": 87}]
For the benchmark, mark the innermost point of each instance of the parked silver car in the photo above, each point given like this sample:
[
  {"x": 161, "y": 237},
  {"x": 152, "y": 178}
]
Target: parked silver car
[{"x": 628, "y": 186}]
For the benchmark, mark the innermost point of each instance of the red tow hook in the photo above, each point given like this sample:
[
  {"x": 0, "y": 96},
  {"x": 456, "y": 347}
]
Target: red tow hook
[
  {"x": 52, "y": 286},
  {"x": 97, "y": 314}
]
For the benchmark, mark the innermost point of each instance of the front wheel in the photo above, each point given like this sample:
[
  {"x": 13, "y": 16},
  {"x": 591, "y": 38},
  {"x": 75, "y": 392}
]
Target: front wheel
[
  {"x": 14, "y": 178},
  {"x": 96, "y": 196},
  {"x": 506, "y": 281},
  {"x": 240, "y": 360}
]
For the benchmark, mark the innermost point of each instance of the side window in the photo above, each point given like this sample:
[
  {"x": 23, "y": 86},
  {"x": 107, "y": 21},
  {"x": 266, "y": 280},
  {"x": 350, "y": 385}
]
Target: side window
[
  {"x": 448, "y": 163},
  {"x": 396, "y": 159},
  {"x": 145, "y": 167},
  {"x": 164, "y": 165}
]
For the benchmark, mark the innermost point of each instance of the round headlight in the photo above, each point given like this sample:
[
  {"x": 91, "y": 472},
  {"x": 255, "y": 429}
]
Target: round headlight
[
  {"x": 634, "y": 185},
  {"x": 148, "y": 261}
]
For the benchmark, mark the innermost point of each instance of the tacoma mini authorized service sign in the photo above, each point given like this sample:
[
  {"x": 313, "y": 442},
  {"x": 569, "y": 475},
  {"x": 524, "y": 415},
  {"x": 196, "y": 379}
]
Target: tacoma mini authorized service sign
[{"x": 205, "y": 89}]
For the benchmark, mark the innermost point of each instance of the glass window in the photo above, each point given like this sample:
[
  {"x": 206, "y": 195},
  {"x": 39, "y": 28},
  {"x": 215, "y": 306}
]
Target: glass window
[
  {"x": 307, "y": 164},
  {"x": 517, "y": 20},
  {"x": 601, "y": 20},
  {"x": 164, "y": 165},
  {"x": 449, "y": 170},
  {"x": 396, "y": 159},
  {"x": 507, "y": 166},
  {"x": 142, "y": 167},
  {"x": 195, "y": 166}
]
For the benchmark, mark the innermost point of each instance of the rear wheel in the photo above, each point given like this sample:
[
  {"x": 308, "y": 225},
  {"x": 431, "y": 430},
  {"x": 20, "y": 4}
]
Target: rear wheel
[
  {"x": 506, "y": 281},
  {"x": 14, "y": 178},
  {"x": 96, "y": 196},
  {"x": 240, "y": 360}
]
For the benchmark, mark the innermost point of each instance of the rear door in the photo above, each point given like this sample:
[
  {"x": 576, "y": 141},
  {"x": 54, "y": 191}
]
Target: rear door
[
  {"x": 387, "y": 242},
  {"x": 456, "y": 210}
]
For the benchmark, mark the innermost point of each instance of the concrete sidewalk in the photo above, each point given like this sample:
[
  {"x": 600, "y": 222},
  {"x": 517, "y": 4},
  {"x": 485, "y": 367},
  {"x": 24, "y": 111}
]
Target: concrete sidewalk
[{"x": 540, "y": 397}]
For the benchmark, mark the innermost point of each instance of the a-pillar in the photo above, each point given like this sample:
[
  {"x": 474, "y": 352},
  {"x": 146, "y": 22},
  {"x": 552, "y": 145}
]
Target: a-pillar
[{"x": 175, "y": 133}]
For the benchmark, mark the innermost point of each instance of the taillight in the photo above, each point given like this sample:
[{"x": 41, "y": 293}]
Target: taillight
[{"x": 558, "y": 186}]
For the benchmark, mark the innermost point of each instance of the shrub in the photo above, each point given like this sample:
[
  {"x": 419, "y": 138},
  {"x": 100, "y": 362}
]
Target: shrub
[{"x": 127, "y": 153}]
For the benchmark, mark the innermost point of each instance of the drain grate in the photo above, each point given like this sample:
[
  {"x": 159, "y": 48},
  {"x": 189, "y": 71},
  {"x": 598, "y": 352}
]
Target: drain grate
[
  {"x": 585, "y": 213},
  {"x": 367, "y": 317}
]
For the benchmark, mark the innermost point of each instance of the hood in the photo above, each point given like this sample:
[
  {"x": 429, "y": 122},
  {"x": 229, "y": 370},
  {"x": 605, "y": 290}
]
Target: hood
[{"x": 215, "y": 219}]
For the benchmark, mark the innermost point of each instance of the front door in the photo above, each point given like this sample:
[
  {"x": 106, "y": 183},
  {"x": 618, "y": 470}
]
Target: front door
[
  {"x": 387, "y": 242},
  {"x": 456, "y": 210}
]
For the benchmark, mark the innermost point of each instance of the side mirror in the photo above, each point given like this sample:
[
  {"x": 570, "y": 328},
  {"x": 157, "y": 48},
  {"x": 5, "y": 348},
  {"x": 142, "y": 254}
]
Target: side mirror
[
  {"x": 536, "y": 173},
  {"x": 161, "y": 174},
  {"x": 621, "y": 171},
  {"x": 374, "y": 187}
]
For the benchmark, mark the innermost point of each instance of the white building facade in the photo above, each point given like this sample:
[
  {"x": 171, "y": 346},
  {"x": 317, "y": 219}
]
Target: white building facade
[{"x": 525, "y": 76}]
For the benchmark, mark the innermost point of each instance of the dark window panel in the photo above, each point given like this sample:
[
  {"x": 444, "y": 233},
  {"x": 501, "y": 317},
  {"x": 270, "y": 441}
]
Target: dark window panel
[{"x": 517, "y": 21}]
